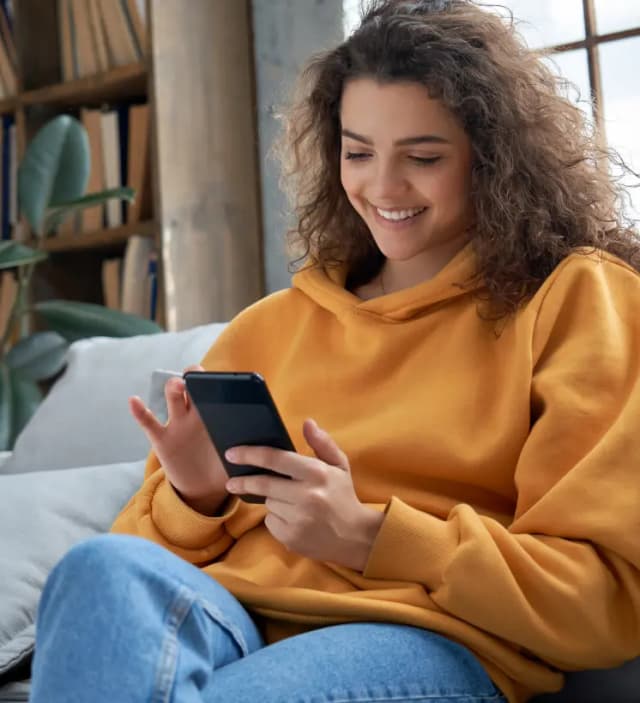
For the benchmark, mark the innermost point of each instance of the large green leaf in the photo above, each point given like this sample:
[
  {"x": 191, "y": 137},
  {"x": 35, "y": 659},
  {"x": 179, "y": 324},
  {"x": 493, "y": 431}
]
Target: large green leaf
[
  {"x": 13, "y": 254},
  {"x": 25, "y": 399},
  {"x": 39, "y": 356},
  {"x": 56, "y": 215},
  {"x": 19, "y": 399},
  {"x": 55, "y": 168},
  {"x": 75, "y": 320}
]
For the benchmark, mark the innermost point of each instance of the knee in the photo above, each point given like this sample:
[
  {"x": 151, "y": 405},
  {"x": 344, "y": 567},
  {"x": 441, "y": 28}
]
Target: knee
[{"x": 96, "y": 565}]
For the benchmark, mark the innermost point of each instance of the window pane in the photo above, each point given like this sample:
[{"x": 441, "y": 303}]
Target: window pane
[
  {"x": 548, "y": 22},
  {"x": 573, "y": 66},
  {"x": 616, "y": 15},
  {"x": 619, "y": 61},
  {"x": 350, "y": 15}
]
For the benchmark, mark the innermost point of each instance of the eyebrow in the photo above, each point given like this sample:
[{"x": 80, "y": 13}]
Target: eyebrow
[{"x": 407, "y": 141}]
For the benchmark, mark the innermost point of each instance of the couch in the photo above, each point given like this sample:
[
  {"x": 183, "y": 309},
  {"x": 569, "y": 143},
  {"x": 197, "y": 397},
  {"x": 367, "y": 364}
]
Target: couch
[{"x": 78, "y": 461}]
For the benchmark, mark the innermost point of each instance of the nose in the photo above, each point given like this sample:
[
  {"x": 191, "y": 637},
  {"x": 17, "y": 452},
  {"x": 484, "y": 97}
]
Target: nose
[{"x": 388, "y": 182}]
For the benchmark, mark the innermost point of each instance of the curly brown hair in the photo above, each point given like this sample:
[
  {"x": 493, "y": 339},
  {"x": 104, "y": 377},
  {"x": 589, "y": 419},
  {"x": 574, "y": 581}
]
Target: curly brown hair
[{"x": 541, "y": 184}]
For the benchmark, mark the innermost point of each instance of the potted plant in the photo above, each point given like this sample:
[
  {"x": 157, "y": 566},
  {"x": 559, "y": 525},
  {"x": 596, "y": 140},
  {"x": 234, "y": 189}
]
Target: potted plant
[{"x": 52, "y": 180}]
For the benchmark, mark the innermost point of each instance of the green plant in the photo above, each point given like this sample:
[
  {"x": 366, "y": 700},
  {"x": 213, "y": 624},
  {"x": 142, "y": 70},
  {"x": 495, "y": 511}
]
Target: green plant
[{"x": 52, "y": 180}]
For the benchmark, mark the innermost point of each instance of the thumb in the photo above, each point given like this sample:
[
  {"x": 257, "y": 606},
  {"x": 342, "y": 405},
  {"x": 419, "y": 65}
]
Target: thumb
[{"x": 323, "y": 445}]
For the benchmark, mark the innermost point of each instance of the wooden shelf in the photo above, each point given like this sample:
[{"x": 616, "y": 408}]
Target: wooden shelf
[
  {"x": 8, "y": 104},
  {"x": 95, "y": 240},
  {"x": 116, "y": 84}
]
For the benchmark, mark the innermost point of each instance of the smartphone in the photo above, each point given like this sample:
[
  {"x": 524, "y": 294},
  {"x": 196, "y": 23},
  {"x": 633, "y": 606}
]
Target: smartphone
[{"x": 237, "y": 408}]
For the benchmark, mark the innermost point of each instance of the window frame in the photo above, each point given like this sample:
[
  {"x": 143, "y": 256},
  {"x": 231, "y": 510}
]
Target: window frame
[{"x": 591, "y": 43}]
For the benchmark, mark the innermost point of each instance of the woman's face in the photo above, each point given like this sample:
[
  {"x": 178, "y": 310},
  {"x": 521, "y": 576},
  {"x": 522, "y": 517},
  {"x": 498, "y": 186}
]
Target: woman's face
[{"x": 406, "y": 169}]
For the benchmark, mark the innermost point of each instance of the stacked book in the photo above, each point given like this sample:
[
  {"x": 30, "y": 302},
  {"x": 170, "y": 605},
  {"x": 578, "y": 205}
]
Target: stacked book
[
  {"x": 130, "y": 283},
  {"x": 119, "y": 145},
  {"x": 97, "y": 35},
  {"x": 8, "y": 56}
]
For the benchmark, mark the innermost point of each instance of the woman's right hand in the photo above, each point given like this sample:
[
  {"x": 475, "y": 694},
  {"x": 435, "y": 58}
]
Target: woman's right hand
[{"x": 184, "y": 449}]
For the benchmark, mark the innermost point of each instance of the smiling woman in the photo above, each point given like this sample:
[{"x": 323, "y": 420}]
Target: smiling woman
[
  {"x": 456, "y": 364},
  {"x": 406, "y": 170}
]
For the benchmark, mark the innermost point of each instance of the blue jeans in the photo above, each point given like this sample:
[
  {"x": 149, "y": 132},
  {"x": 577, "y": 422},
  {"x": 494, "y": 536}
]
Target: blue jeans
[{"x": 122, "y": 620}]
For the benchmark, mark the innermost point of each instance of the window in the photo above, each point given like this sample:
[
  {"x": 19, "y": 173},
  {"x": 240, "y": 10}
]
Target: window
[{"x": 595, "y": 44}]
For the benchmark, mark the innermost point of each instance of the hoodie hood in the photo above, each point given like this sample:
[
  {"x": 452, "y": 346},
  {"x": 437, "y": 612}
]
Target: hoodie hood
[{"x": 326, "y": 288}]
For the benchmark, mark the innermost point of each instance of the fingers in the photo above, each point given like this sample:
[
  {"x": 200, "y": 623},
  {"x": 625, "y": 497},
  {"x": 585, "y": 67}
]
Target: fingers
[
  {"x": 323, "y": 445},
  {"x": 146, "y": 419},
  {"x": 278, "y": 489},
  {"x": 176, "y": 397},
  {"x": 192, "y": 367},
  {"x": 279, "y": 460}
]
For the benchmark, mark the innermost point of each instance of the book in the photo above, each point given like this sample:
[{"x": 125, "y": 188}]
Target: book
[
  {"x": 92, "y": 219},
  {"x": 7, "y": 121},
  {"x": 98, "y": 36},
  {"x": 6, "y": 32},
  {"x": 66, "y": 45},
  {"x": 2, "y": 177},
  {"x": 135, "y": 276},
  {"x": 13, "y": 177},
  {"x": 138, "y": 161},
  {"x": 75, "y": 58},
  {"x": 111, "y": 163},
  {"x": 136, "y": 25},
  {"x": 122, "y": 112},
  {"x": 142, "y": 10},
  {"x": 8, "y": 292},
  {"x": 111, "y": 282},
  {"x": 153, "y": 286},
  {"x": 87, "y": 59},
  {"x": 7, "y": 72},
  {"x": 120, "y": 44}
]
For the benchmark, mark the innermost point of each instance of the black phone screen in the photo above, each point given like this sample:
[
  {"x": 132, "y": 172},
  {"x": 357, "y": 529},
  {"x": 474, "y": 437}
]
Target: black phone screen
[{"x": 237, "y": 408}]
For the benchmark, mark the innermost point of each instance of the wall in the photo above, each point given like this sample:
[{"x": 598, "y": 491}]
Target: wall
[{"x": 286, "y": 33}]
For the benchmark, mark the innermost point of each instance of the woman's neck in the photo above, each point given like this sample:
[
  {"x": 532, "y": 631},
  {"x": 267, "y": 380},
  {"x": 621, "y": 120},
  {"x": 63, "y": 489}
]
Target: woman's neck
[{"x": 399, "y": 275}]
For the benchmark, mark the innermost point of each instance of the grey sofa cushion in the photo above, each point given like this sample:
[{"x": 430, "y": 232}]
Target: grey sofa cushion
[
  {"x": 15, "y": 692},
  {"x": 41, "y": 516},
  {"x": 84, "y": 420}
]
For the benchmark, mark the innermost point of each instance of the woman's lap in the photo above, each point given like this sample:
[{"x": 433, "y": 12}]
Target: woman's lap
[
  {"x": 203, "y": 646},
  {"x": 357, "y": 662}
]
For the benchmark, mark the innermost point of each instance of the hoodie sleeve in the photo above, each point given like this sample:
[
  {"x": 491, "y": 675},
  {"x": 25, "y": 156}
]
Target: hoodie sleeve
[
  {"x": 156, "y": 512},
  {"x": 562, "y": 580}
]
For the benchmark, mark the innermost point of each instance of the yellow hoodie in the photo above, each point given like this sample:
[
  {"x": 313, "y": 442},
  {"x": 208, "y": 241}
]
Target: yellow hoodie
[{"x": 506, "y": 464}]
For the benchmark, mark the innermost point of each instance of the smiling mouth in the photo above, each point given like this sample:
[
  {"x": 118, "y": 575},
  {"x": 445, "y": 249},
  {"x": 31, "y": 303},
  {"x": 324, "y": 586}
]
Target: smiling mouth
[{"x": 399, "y": 215}]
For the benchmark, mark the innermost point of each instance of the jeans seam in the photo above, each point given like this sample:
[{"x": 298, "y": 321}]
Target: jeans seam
[
  {"x": 427, "y": 697},
  {"x": 235, "y": 632},
  {"x": 464, "y": 697},
  {"x": 165, "y": 675}
]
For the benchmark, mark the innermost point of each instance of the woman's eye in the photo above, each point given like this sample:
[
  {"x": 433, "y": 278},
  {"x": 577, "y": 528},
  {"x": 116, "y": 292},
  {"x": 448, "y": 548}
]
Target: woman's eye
[
  {"x": 356, "y": 155},
  {"x": 425, "y": 160}
]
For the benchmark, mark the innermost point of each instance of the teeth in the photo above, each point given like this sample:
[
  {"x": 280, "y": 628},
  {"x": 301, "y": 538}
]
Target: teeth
[{"x": 396, "y": 215}]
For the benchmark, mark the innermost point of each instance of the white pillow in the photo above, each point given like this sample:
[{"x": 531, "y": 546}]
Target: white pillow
[
  {"x": 84, "y": 420},
  {"x": 42, "y": 515}
]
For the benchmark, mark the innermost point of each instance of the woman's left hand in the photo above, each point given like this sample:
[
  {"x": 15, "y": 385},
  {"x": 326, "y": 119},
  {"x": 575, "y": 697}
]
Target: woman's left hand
[{"x": 317, "y": 513}]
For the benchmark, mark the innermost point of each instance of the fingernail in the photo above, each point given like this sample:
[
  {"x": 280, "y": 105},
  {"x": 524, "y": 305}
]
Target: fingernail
[
  {"x": 231, "y": 454},
  {"x": 231, "y": 486}
]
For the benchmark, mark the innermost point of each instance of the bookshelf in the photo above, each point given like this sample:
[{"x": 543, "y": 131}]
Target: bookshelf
[
  {"x": 196, "y": 75},
  {"x": 101, "y": 238}
]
